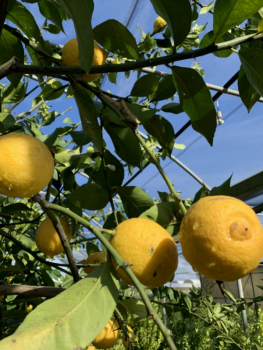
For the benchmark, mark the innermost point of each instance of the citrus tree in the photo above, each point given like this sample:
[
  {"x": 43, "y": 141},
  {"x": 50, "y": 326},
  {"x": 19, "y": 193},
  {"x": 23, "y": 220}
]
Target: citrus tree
[{"x": 46, "y": 205}]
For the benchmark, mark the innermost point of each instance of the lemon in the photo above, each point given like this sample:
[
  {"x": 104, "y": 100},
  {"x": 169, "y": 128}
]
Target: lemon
[
  {"x": 222, "y": 238},
  {"x": 70, "y": 57},
  {"x": 91, "y": 347},
  {"x": 148, "y": 248},
  {"x": 94, "y": 258},
  {"x": 108, "y": 337},
  {"x": 47, "y": 238},
  {"x": 29, "y": 308},
  {"x": 26, "y": 165},
  {"x": 159, "y": 24},
  {"x": 131, "y": 336}
]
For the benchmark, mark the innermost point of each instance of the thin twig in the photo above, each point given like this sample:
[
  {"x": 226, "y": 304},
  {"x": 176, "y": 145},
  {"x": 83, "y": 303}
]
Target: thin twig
[{"x": 30, "y": 291}]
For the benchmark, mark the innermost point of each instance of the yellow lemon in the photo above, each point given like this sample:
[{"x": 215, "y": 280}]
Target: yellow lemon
[
  {"x": 109, "y": 336},
  {"x": 159, "y": 24},
  {"x": 70, "y": 57},
  {"x": 94, "y": 258},
  {"x": 148, "y": 248},
  {"x": 91, "y": 347},
  {"x": 29, "y": 308},
  {"x": 26, "y": 165},
  {"x": 47, "y": 238},
  {"x": 131, "y": 336},
  {"x": 222, "y": 238}
]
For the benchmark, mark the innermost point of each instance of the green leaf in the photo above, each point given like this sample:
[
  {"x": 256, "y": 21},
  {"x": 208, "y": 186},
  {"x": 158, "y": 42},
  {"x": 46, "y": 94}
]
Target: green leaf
[
  {"x": 173, "y": 107},
  {"x": 145, "y": 85},
  {"x": 11, "y": 46},
  {"x": 91, "y": 248},
  {"x": 229, "y": 13},
  {"x": 81, "y": 12},
  {"x": 141, "y": 112},
  {"x": 14, "y": 94},
  {"x": 248, "y": 94},
  {"x": 89, "y": 196},
  {"x": 80, "y": 137},
  {"x": 126, "y": 143},
  {"x": 251, "y": 59},
  {"x": 110, "y": 223},
  {"x": 16, "y": 207},
  {"x": 222, "y": 190},
  {"x": 162, "y": 130},
  {"x": 206, "y": 8},
  {"x": 50, "y": 11},
  {"x": 177, "y": 14},
  {"x": 6, "y": 120},
  {"x": 135, "y": 308},
  {"x": 203, "y": 192},
  {"x": 72, "y": 319},
  {"x": 165, "y": 89},
  {"x": 229, "y": 295},
  {"x": 187, "y": 301},
  {"x": 135, "y": 200},
  {"x": 88, "y": 115},
  {"x": 208, "y": 39},
  {"x": 116, "y": 38},
  {"x": 196, "y": 100}
]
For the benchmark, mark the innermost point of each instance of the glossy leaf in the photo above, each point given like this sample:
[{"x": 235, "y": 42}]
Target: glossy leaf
[
  {"x": 177, "y": 14},
  {"x": 88, "y": 115},
  {"x": 222, "y": 190},
  {"x": 248, "y": 94},
  {"x": 173, "y": 107},
  {"x": 110, "y": 223},
  {"x": 116, "y": 38},
  {"x": 50, "y": 11},
  {"x": 135, "y": 308},
  {"x": 145, "y": 85},
  {"x": 125, "y": 142},
  {"x": 165, "y": 89},
  {"x": 14, "y": 94},
  {"x": 142, "y": 113},
  {"x": 206, "y": 8},
  {"x": 229, "y": 13},
  {"x": 72, "y": 319},
  {"x": 6, "y": 120},
  {"x": 81, "y": 12},
  {"x": 89, "y": 196},
  {"x": 196, "y": 100},
  {"x": 80, "y": 137},
  {"x": 208, "y": 40},
  {"x": 135, "y": 200}
]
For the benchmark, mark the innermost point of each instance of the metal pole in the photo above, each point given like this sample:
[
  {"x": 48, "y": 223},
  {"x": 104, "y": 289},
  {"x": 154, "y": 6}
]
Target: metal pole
[{"x": 243, "y": 312}]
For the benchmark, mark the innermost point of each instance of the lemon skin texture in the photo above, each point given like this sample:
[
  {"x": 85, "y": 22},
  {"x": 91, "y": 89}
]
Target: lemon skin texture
[
  {"x": 222, "y": 238},
  {"x": 47, "y": 238},
  {"x": 108, "y": 337},
  {"x": 91, "y": 347},
  {"x": 70, "y": 57},
  {"x": 26, "y": 165},
  {"x": 131, "y": 336},
  {"x": 158, "y": 24},
  {"x": 94, "y": 258},
  {"x": 149, "y": 250}
]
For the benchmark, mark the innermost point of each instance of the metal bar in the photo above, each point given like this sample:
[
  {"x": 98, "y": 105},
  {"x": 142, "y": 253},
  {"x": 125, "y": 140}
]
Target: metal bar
[{"x": 243, "y": 312}]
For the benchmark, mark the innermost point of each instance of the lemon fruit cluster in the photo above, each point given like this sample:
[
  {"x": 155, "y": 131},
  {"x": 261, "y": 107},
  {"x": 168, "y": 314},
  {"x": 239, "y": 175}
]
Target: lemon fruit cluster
[
  {"x": 94, "y": 258},
  {"x": 159, "y": 24},
  {"x": 222, "y": 238},
  {"x": 47, "y": 238},
  {"x": 70, "y": 57},
  {"x": 26, "y": 165},
  {"x": 109, "y": 336},
  {"x": 149, "y": 250},
  {"x": 131, "y": 336}
]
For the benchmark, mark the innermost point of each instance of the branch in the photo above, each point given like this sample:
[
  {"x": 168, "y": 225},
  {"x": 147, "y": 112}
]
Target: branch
[
  {"x": 13, "y": 66},
  {"x": 64, "y": 240},
  {"x": 3, "y": 13},
  {"x": 30, "y": 291}
]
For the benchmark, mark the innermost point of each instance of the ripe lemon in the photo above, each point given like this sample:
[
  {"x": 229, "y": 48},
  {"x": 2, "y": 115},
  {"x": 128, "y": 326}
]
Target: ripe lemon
[
  {"x": 26, "y": 165},
  {"x": 29, "y": 308},
  {"x": 109, "y": 336},
  {"x": 131, "y": 336},
  {"x": 47, "y": 238},
  {"x": 222, "y": 238},
  {"x": 94, "y": 258},
  {"x": 148, "y": 248},
  {"x": 91, "y": 347},
  {"x": 158, "y": 24},
  {"x": 70, "y": 57}
]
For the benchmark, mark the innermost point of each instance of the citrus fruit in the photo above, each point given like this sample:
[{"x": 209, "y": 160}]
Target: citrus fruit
[
  {"x": 158, "y": 24},
  {"x": 47, "y": 238},
  {"x": 29, "y": 308},
  {"x": 91, "y": 347},
  {"x": 131, "y": 336},
  {"x": 222, "y": 238},
  {"x": 70, "y": 57},
  {"x": 26, "y": 165},
  {"x": 149, "y": 250},
  {"x": 109, "y": 336},
  {"x": 94, "y": 258}
]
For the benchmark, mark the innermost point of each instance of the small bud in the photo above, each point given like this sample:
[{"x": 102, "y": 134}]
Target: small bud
[{"x": 111, "y": 167}]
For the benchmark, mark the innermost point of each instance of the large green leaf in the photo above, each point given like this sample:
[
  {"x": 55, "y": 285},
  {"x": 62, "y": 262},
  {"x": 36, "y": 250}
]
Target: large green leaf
[
  {"x": 50, "y": 11},
  {"x": 165, "y": 89},
  {"x": 126, "y": 143},
  {"x": 89, "y": 196},
  {"x": 72, "y": 319},
  {"x": 222, "y": 190},
  {"x": 251, "y": 60},
  {"x": 177, "y": 14},
  {"x": 88, "y": 115},
  {"x": 208, "y": 40},
  {"x": 81, "y": 12},
  {"x": 248, "y": 94},
  {"x": 145, "y": 85},
  {"x": 11, "y": 46},
  {"x": 116, "y": 38},
  {"x": 173, "y": 107},
  {"x": 6, "y": 120},
  {"x": 135, "y": 308},
  {"x": 14, "y": 94},
  {"x": 196, "y": 100},
  {"x": 135, "y": 200},
  {"x": 229, "y": 13}
]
